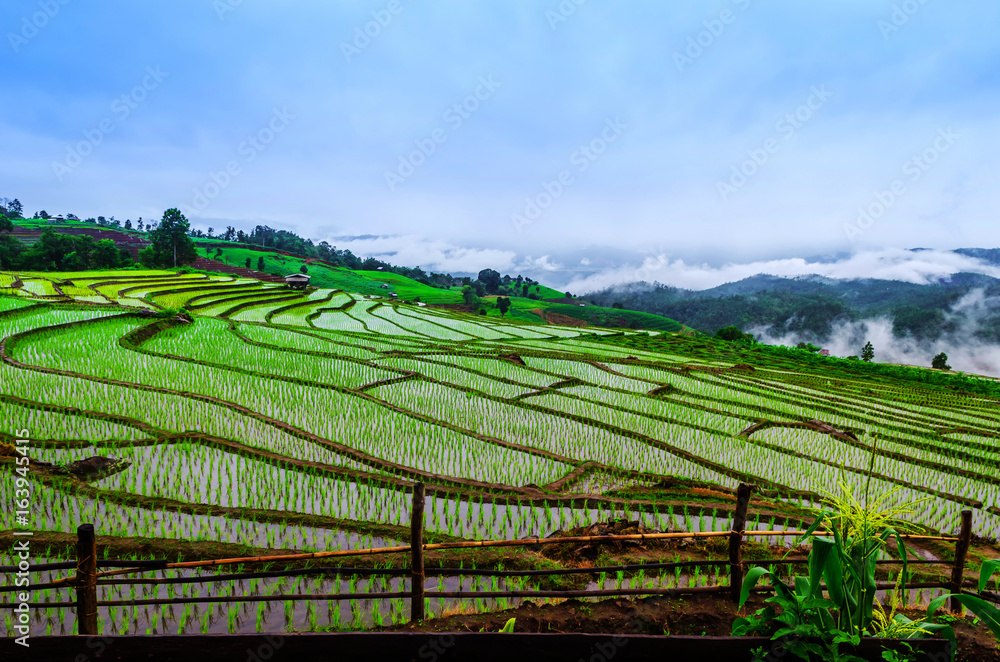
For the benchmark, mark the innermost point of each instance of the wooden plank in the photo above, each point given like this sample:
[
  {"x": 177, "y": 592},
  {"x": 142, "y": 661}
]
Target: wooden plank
[
  {"x": 86, "y": 579},
  {"x": 424, "y": 646},
  {"x": 961, "y": 549},
  {"x": 417, "y": 551},
  {"x": 736, "y": 541}
]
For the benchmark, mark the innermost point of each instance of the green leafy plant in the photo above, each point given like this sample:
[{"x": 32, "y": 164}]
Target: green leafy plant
[{"x": 842, "y": 563}]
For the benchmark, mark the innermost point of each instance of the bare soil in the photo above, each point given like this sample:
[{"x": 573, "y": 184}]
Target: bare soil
[{"x": 698, "y": 615}]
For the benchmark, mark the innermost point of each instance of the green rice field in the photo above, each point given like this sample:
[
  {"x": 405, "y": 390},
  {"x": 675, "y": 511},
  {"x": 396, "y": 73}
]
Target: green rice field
[{"x": 274, "y": 419}]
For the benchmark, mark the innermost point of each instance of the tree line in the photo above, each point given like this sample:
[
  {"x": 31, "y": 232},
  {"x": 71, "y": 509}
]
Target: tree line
[{"x": 172, "y": 245}]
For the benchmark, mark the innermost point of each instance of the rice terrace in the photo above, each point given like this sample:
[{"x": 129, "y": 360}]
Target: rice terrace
[
  {"x": 541, "y": 331},
  {"x": 239, "y": 418}
]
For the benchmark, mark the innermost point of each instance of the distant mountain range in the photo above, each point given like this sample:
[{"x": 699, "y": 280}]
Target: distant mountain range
[{"x": 811, "y": 306}]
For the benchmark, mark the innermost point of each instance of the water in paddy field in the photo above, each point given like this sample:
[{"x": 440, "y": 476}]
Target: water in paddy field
[
  {"x": 250, "y": 617},
  {"x": 58, "y": 511}
]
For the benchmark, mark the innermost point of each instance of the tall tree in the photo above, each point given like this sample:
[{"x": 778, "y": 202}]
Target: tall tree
[
  {"x": 10, "y": 250},
  {"x": 503, "y": 303},
  {"x": 171, "y": 244},
  {"x": 490, "y": 279},
  {"x": 106, "y": 255},
  {"x": 940, "y": 362},
  {"x": 868, "y": 352},
  {"x": 469, "y": 295}
]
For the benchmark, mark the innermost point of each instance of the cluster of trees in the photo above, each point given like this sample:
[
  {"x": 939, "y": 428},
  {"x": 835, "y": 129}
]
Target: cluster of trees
[
  {"x": 734, "y": 334},
  {"x": 115, "y": 224},
  {"x": 289, "y": 242},
  {"x": 11, "y": 208},
  {"x": 489, "y": 281},
  {"x": 55, "y": 251}
]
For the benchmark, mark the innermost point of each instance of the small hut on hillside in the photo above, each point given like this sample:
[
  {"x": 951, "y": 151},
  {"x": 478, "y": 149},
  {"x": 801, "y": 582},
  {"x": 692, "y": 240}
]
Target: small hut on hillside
[{"x": 298, "y": 281}]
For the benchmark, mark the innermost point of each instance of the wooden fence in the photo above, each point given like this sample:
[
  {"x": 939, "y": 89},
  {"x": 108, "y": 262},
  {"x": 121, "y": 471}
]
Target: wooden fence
[{"x": 88, "y": 577}]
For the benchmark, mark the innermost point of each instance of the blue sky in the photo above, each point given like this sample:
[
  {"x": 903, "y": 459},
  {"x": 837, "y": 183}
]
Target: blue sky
[{"x": 615, "y": 132}]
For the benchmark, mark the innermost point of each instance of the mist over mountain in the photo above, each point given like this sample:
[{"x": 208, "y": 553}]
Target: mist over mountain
[{"x": 907, "y": 322}]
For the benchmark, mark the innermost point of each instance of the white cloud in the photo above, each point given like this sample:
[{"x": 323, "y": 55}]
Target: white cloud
[
  {"x": 544, "y": 263},
  {"x": 921, "y": 267},
  {"x": 965, "y": 352},
  {"x": 414, "y": 250}
]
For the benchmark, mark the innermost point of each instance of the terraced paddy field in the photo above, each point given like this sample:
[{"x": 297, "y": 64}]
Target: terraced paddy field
[{"x": 267, "y": 419}]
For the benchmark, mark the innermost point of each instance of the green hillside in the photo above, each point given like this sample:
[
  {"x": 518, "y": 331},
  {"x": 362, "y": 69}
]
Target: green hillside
[
  {"x": 407, "y": 289},
  {"x": 614, "y": 317},
  {"x": 362, "y": 282}
]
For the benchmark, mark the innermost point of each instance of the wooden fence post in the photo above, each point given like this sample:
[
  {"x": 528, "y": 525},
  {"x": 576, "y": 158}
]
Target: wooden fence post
[
  {"x": 961, "y": 549},
  {"x": 86, "y": 579},
  {"x": 736, "y": 541},
  {"x": 417, "y": 552}
]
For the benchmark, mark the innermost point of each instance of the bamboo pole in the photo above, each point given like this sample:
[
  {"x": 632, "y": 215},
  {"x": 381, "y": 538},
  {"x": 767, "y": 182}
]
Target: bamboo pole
[
  {"x": 527, "y": 542},
  {"x": 445, "y": 572},
  {"x": 407, "y": 548},
  {"x": 305, "y": 597}
]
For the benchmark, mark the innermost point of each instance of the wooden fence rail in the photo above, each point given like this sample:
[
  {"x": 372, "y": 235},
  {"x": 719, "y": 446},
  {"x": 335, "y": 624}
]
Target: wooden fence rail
[{"x": 87, "y": 578}]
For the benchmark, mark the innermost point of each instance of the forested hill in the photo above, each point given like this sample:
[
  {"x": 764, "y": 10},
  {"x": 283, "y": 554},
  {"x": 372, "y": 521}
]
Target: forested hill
[{"x": 811, "y": 305}]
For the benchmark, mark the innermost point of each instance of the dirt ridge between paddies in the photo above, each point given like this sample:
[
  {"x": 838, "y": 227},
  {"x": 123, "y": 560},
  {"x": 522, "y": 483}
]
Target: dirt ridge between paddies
[{"x": 522, "y": 496}]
